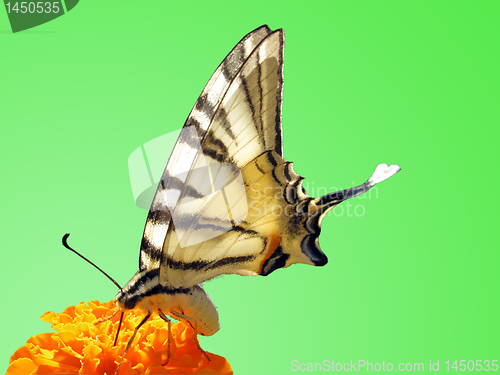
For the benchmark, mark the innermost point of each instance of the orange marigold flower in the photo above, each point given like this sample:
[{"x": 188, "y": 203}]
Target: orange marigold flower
[{"x": 81, "y": 347}]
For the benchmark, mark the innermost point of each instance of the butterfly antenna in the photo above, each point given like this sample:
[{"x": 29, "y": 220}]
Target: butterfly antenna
[{"x": 65, "y": 244}]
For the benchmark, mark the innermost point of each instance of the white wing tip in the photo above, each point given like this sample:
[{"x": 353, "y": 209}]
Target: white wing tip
[{"x": 383, "y": 172}]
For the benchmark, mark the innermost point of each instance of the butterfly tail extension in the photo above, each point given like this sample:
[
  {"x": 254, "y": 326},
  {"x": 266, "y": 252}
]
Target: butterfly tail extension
[
  {"x": 287, "y": 216},
  {"x": 381, "y": 173},
  {"x": 320, "y": 206}
]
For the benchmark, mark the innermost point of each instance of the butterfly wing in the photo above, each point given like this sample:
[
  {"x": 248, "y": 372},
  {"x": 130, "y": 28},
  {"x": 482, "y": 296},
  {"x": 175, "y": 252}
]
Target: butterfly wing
[
  {"x": 183, "y": 155},
  {"x": 280, "y": 229},
  {"x": 204, "y": 239},
  {"x": 228, "y": 202}
]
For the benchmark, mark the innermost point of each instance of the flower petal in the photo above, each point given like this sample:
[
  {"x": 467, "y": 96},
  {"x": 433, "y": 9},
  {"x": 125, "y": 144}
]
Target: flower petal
[
  {"x": 82, "y": 347},
  {"x": 21, "y": 366}
]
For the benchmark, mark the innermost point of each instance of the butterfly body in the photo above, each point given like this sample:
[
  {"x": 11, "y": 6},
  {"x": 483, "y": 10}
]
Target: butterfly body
[{"x": 145, "y": 292}]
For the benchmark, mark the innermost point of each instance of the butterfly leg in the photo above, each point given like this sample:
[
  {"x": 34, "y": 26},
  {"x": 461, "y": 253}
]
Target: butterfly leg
[
  {"x": 191, "y": 320},
  {"x": 107, "y": 318},
  {"x": 132, "y": 339},
  {"x": 169, "y": 322}
]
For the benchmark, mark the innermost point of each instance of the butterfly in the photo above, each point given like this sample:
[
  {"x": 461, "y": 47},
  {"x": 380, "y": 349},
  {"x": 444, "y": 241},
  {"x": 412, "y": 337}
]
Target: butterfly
[{"x": 227, "y": 202}]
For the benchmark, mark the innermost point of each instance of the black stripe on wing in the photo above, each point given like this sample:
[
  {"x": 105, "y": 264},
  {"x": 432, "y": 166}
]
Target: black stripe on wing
[
  {"x": 311, "y": 248},
  {"x": 200, "y": 117},
  {"x": 199, "y": 265},
  {"x": 276, "y": 260}
]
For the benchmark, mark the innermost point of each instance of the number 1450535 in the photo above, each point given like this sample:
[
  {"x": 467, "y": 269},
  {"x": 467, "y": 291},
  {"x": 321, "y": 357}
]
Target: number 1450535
[
  {"x": 471, "y": 365},
  {"x": 34, "y": 7}
]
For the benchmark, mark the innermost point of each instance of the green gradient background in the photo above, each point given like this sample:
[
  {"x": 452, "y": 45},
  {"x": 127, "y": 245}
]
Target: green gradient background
[{"x": 414, "y": 279}]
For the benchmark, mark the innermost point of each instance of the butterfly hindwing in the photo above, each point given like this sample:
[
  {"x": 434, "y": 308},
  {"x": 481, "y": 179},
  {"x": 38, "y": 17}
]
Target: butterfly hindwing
[{"x": 280, "y": 229}]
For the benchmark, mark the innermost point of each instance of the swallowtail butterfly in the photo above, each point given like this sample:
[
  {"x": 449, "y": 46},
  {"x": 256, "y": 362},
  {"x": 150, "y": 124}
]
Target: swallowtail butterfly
[{"x": 228, "y": 203}]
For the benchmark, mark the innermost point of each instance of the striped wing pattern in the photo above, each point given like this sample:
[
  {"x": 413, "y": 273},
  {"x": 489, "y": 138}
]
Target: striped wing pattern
[
  {"x": 236, "y": 121},
  {"x": 183, "y": 154},
  {"x": 281, "y": 228}
]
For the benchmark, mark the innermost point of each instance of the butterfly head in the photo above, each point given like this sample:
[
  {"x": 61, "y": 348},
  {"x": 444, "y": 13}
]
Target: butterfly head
[
  {"x": 140, "y": 291},
  {"x": 132, "y": 292},
  {"x": 124, "y": 301}
]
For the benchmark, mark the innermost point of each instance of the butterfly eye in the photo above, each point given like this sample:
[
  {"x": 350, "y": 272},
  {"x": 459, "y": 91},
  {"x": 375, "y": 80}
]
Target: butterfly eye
[
  {"x": 125, "y": 300},
  {"x": 130, "y": 303}
]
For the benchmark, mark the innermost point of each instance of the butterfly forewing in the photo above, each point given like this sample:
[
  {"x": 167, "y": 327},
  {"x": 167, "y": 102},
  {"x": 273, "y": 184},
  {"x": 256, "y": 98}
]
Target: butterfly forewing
[
  {"x": 183, "y": 155},
  {"x": 246, "y": 124}
]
